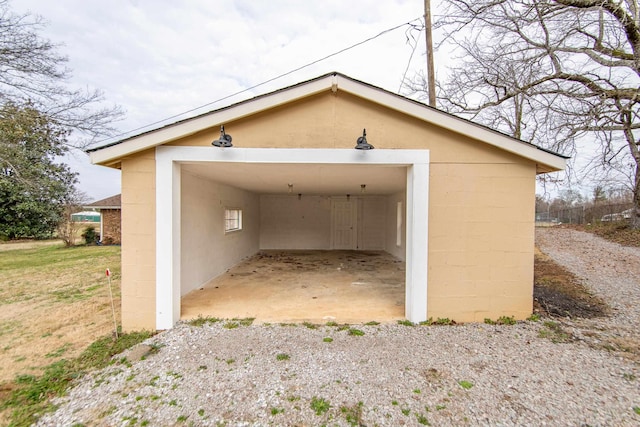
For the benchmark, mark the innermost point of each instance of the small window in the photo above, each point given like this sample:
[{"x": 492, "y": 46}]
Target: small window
[{"x": 232, "y": 220}]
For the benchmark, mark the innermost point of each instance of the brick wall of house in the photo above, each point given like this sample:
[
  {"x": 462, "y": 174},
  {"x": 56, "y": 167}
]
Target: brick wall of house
[{"x": 111, "y": 226}]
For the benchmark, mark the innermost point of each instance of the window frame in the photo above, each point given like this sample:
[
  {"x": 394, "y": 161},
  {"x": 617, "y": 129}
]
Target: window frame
[{"x": 232, "y": 225}]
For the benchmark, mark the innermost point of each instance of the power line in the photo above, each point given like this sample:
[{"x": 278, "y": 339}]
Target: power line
[{"x": 264, "y": 82}]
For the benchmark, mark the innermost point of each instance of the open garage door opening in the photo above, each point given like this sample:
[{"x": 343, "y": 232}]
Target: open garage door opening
[{"x": 317, "y": 240}]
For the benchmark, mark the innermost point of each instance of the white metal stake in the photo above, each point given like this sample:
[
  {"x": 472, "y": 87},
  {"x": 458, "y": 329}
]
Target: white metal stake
[{"x": 113, "y": 307}]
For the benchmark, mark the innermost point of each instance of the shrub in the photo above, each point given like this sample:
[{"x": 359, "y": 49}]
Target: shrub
[{"x": 89, "y": 235}]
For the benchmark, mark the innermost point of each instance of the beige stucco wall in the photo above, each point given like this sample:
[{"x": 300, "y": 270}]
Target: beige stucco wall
[
  {"x": 138, "y": 241},
  {"x": 481, "y": 204}
]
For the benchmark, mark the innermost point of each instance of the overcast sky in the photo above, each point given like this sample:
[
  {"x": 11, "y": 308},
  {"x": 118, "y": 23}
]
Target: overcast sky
[{"x": 159, "y": 58}]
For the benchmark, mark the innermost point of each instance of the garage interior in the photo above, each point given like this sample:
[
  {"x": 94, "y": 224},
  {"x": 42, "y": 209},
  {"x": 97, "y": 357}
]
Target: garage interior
[{"x": 317, "y": 242}]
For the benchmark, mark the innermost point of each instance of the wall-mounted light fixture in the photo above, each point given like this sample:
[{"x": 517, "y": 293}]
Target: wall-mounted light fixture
[
  {"x": 224, "y": 140},
  {"x": 363, "y": 188},
  {"x": 299, "y": 196},
  {"x": 362, "y": 143},
  {"x": 290, "y": 185}
]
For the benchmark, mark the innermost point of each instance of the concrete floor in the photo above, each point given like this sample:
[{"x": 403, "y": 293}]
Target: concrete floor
[{"x": 315, "y": 286}]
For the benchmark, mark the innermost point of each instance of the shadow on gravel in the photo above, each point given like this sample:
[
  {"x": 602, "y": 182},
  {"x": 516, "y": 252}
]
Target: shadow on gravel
[{"x": 558, "y": 293}]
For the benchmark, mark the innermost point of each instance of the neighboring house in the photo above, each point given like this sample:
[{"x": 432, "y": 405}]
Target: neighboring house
[
  {"x": 110, "y": 219},
  {"x": 454, "y": 200}
]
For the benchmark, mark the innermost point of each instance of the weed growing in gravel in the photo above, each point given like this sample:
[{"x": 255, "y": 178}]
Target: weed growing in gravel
[
  {"x": 293, "y": 398},
  {"x": 201, "y": 321},
  {"x": 417, "y": 391},
  {"x": 636, "y": 409},
  {"x": 506, "y": 320},
  {"x": 145, "y": 423},
  {"x": 276, "y": 411},
  {"x": 534, "y": 318},
  {"x": 182, "y": 418},
  {"x": 355, "y": 332},
  {"x": 422, "y": 420},
  {"x": 289, "y": 324},
  {"x": 444, "y": 321},
  {"x": 202, "y": 368},
  {"x": 327, "y": 339},
  {"x": 394, "y": 402},
  {"x": 427, "y": 322},
  {"x": 310, "y": 325},
  {"x": 201, "y": 412},
  {"x": 231, "y": 325},
  {"x": 319, "y": 405},
  {"x": 628, "y": 377},
  {"x": 440, "y": 407},
  {"x": 131, "y": 421},
  {"x": 282, "y": 356},
  {"x": 372, "y": 323},
  {"x": 247, "y": 321},
  {"x": 174, "y": 402},
  {"x": 405, "y": 411},
  {"x": 465, "y": 384},
  {"x": 331, "y": 324},
  {"x": 554, "y": 332},
  {"x": 353, "y": 414},
  {"x": 406, "y": 322},
  {"x": 489, "y": 321},
  {"x": 230, "y": 361}
]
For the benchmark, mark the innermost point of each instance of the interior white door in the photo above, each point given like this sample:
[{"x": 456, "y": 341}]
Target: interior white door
[{"x": 343, "y": 224}]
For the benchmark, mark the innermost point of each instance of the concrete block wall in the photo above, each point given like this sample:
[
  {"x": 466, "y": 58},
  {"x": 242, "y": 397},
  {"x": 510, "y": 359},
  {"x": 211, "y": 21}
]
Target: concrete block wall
[
  {"x": 206, "y": 249},
  {"x": 287, "y": 222},
  {"x": 139, "y": 241}
]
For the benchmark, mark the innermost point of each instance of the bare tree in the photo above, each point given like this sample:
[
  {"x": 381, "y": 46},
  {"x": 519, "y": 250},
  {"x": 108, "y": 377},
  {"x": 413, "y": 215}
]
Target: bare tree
[
  {"x": 553, "y": 72},
  {"x": 67, "y": 228},
  {"x": 34, "y": 74}
]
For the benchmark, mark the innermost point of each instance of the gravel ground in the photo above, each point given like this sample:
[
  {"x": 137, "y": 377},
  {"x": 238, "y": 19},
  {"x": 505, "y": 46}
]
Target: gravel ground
[{"x": 473, "y": 374}]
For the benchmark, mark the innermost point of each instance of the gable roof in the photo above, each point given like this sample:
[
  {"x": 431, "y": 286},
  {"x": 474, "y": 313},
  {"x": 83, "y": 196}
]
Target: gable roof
[
  {"x": 109, "y": 155},
  {"x": 113, "y": 202}
]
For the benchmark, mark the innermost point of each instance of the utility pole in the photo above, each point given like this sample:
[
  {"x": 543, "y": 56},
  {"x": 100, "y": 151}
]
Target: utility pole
[{"x": 431, "y": 78}]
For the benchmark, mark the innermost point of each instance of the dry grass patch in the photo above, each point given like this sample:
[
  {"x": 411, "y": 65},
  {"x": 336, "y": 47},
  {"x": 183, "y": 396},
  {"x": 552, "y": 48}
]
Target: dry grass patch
[
  {"x": 557, "y": 292},
  {"x": 54, "y": 301},
  {"x": 617, "y": 232}
]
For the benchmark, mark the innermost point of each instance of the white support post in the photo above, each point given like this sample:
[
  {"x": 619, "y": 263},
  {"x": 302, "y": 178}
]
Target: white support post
[
  {"x": 167, "y": 241},
  {"x": 417, "y": 242}
]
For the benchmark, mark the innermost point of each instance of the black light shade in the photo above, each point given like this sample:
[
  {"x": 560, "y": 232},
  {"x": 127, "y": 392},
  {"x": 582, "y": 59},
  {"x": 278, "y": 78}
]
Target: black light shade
[
  {"x": 362, "y": 142},
  {"x": 224, "y": 140}
]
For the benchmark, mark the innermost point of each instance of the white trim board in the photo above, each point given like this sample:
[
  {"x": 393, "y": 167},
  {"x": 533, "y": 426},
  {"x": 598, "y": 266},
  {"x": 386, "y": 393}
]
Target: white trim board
[{"x": 168, "y": 170}]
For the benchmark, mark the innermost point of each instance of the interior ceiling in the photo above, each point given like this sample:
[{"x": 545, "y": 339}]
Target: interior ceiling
[{"x": 318, "y": 179}]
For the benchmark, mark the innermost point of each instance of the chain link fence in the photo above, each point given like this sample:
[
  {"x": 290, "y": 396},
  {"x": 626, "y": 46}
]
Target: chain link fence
[{"x": 585, "y": 215}]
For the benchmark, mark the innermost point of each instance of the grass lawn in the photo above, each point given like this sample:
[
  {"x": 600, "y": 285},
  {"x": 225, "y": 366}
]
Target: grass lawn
[
  {"x": 56, "y": 322},
  {"x": 54, "y": 303}
]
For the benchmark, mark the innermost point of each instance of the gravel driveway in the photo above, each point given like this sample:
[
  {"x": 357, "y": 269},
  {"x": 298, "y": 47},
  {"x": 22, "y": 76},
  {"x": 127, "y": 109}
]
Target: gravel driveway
[{"x": 473, "y": 374}]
